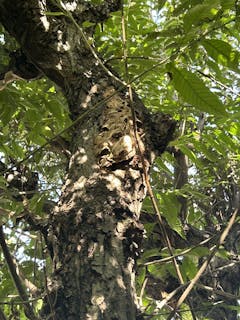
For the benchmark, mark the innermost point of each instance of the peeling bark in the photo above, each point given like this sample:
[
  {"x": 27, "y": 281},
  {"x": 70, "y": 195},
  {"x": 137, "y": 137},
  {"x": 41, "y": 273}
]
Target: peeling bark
[{"x": 95, "y": 231}]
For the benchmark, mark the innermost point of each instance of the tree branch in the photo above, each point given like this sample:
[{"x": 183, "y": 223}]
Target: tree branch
[
  {"x": 2, "y": 315},
  {"x": 205, "y": 264},
  {"x": 19, "y": 67},
  {"x": 29, "y": 312},
  {"x": 45, "y": 39},
  {"x": 87, "y": 11}
]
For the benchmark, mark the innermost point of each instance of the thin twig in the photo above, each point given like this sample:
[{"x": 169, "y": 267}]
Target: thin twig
[
  {"x": 140, "y": 151},
  {"x": 205, "y": 264},
  {"x": 180, "y": 254},
  {"x": 21, "y": 302},
  {"x": 171, "y": 295},
  {"x": 133, "y": 58},
  {"x": 219, "y": 292},
  {"x": 49, "y": 300},
  {"x": 212, "y": 78},
  {"x": 145, "y": 171},
  {"x": 142, "y": 291},
  {"x": 16, "y": 279},
  {"x": 2, "y": 315}
]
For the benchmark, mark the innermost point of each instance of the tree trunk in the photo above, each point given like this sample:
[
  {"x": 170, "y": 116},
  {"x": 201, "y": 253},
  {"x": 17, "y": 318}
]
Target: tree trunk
[{"x": 94, "y": 232}]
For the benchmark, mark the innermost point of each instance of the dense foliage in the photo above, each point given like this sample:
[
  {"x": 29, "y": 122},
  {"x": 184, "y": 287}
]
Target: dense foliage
[{"x": 182, "y": 58}]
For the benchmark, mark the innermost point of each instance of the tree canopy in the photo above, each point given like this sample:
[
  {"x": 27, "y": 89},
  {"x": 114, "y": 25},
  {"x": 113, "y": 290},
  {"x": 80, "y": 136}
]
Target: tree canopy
[{"x": 182, "y": 59}]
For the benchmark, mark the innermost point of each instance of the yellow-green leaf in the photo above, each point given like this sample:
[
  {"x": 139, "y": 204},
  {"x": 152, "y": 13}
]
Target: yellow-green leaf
[{"x": 194, "y": 91}]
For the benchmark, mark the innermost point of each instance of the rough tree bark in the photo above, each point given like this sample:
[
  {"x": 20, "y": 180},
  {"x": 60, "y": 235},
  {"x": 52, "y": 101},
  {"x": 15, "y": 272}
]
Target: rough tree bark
[{"x": 94, "y": 232}]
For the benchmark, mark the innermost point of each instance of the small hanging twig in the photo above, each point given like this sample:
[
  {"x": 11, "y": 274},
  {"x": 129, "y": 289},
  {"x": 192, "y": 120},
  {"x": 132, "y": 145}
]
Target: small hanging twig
[
  {"x": 29, "y": 312},
  {"x": 204, "y": 265}
]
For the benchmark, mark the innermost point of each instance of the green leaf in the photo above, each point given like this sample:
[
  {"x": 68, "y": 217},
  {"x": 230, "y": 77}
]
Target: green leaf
[
  {"x": 141, "y": 275},
  {"x": 160, "y": 4},
  {"x": 56, "y": 14},
  {"x": 189, "y": 266},
  {"x": 3, "y": 183},
  {"x": 197, "y": 14},
  {"x": 200, "y": 251},
  {"x": 170, "y": 207},
  {"x": 161, "y": 165},
  {"x": 186, "y": 313},
  {"x": 87, "y": 24},
  {"x": 195, "y": 92},
  {"x": 155, "y": 269},
  {"x": 214, "y": 143},
  {"x": 216, "y": 69},
  {"x": 207, "y": 152},
  {"x": 228, "y": 4},
  {"x": 216, "y": 48},
  {"x": 97, "y": 1},
  {"x": 17, "y": 150},
  {"x": 184, "y": 6},
  {"x": 222, "y": 52},
  {"x": 188, "y": 152},
  {"x": 222, "y": 253},
  {"x": 155, "y": 252}
]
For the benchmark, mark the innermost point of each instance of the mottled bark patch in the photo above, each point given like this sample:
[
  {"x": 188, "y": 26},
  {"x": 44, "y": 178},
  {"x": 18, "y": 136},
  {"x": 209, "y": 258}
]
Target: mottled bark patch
[{"x": 116, "y": 140}]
